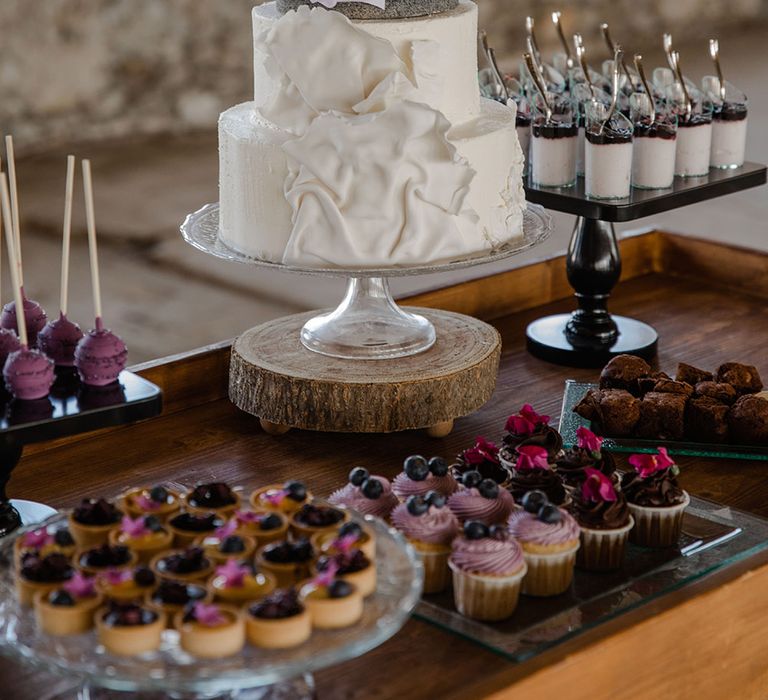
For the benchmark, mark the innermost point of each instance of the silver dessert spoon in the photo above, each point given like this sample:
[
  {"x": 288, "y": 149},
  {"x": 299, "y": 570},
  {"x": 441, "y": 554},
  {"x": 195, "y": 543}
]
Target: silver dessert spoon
[
  {"x": 529, "y": 31},
  {"x": 667, "y": 40},
  {"x": 491, "y": 56},
  {"x": 612, "y": 48},
  {"x": 714, "y": 51},
  {"x": 618, "y": 53},
  {"x": 646, "y": 86},
  {"x": 578, "y": 43},
  {"x": 686, "y": 96},
  {"x": 559, "y": 27},
  {"x": 533, "y": 69}
]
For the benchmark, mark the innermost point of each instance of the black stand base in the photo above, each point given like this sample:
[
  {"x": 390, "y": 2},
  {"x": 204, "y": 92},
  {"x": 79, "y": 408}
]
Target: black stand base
[{"x": 548, "y": 340}]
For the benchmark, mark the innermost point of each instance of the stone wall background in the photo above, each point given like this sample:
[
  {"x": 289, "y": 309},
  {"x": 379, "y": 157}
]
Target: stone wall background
[{"x": 79, "y": 70}]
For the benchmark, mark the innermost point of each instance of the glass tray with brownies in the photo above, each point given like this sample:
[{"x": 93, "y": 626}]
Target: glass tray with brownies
[
  {"x": 203, "y": 590},
  {"x": 719, "y": 413}
]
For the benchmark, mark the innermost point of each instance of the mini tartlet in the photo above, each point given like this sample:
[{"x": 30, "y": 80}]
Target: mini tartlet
[
  {"x": 129, "y": 629},
  {"x": 280, "y": 621},
  {"x": 284, "y": 498},
  {"x": 312, "y": 518},
  {"x": 224, "y": 544},
  {"x": 144, "y": 535},
  {"x": 533, "y": 472},
  {"x": 187, "y": 527},
  {"x": 352, "y": 566},
  {"x": 526, "y": 428},
  {"x": 481, "y": 499},
  {"x": 288, "y": 561},
  {"x": 366, "y": 494},
  {"x": 69, "y": 609},
  {"x": 183, "y": 565},
  {"x": 211, "y": 631},
  {"x": 157, "y": 500},
  {"x": 237, "y": 583},
  {"x": 41, "y": 542},
  {"x": 44, "y": 574},
  {"x": 105, "y": 557},
  {"x": 420, "y": 476},
  {"x": 264, "y": 526},
  {"x": 349, "y": 535},
  {"x": 170, "y": 597},
  {"x": 92, "y": 520},
  {"x": 332, "y": 603},
  {"x": 214, "y": 497},
  {"x": 483, "y": 457},
  {"x": 126, "y": 585}
]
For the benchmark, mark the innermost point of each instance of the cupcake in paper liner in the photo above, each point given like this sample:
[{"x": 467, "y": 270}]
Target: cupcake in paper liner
[
  {"x": 588, "y": 453},
  {"x": 430, "y": 527},
  {"x": 420, "y": 476},
  {"x": 488, "y": 568},
  {"x": 526, "y": 428},
  {"x": 655, "y": 499},
  {"x": 481, "y": 499},
  {"x": 549, "y": 537},
  {"x": 605, "y": 521},
  {"x": 482, "y": 457},
  {"x": 369, "y": 495},
  {"x": 532, "y": 471}
]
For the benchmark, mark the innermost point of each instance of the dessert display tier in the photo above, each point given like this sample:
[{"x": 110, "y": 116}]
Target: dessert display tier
[
  {"x": 173, "y": 671},
  {"x": 375, "y": 9}
]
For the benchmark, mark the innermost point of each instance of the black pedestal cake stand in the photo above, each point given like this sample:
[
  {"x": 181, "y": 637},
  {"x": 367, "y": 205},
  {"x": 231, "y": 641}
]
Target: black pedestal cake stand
[
  {"x": 72, "y": 408},
  {"x": 590, "y": 336}
]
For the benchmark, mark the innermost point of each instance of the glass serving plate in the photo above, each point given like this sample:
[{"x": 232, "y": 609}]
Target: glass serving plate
[
  {"x": 714, "y": 537},
  {"x": 170, "y": 670},
  {"x": 570, "y": 422}
]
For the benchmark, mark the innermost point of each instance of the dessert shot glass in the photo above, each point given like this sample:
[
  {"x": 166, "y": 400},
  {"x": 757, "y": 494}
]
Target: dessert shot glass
[
  {"x": 694, "y": 131},
  {"x": 608, "y": 152},
  {"x": 653, "y": 148},
  {"x": 582, "y": 94},
  {"x": 729, "y": 123},
  {"x": 553, "y": 142}
]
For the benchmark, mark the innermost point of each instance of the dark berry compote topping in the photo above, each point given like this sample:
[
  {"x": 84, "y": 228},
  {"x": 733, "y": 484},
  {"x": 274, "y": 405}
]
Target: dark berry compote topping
[
  {"x": 296, "y": 552},
  {"x": 279, "y": 604},
  {"x": 349, "y": 563},
  {"x": 49, "y": 569},
  {"x": 128, "y": 615},
  {"x": 187, "y": 562},
  {"x": 213, "y": 495},
  {"x": 176, "y": 593},
  {"x": 93, "y": 511},
  {"x": 106, "y": 556},
  {"x": 319, "y": 516},
  {"x": 193, "y": 522}
]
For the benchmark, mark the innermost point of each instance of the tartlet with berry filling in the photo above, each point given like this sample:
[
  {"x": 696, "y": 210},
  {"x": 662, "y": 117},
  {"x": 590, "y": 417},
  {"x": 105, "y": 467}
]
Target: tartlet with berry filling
[
  {"x": 211, "y": 631},
  {"x": 224, "y": 544},
  {"x": 420, "y": 476},
  {"x": 68, "y": 609},
  {"x": 213, "y": 497},
  {"x": 126, "y": 585},
  {"x": 483, "y": 457},
  {"x": 91, "y": 521},
  {"x": 44, "y": 574},
  {"x": 128, "y": 629},
  {"x": 183, "y": 565},
  {"x": 187, "y": 527},
  {"x": 280, "y": 621},
  {"x": 352, "y": 566},
  {"x": 238, "y": 583},
  {"x": 170, "y": 597},
  {"x": 285, "y": 498},
  {"x": 312, "y": 518},
  {"x": 367, "y": 494},
  {"x": 159, "y": 501},
  {"x": 145, "y": 535},
  {"x": 107, "y": 556},
  {"x": 42, "y": 542},
  {"x": 288, "y": 561},
  {"x": 332, "y": 602},
  {"x": 263, "y": 526},
  {"x": 350, "y": 535}
]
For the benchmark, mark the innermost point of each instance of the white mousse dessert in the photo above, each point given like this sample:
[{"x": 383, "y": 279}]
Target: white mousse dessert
[
  {"x": 729, "y": 136},
  {"x": 692, "y": 145},
  {"x": 653, "y": 156},
  {"x": 607, "y": 163},
  {"x": 553, "y": 151}
]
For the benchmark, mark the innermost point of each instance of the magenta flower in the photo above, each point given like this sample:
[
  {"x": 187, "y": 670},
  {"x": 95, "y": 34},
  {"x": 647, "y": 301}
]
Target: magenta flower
[
  {"x": 588, "y": 440},
  {"x": 209, "y": 615},
  {"x": 482, "y": 451},
  {"x": 80, "y": 586},
  {"x": 275, "y": 498},
  {"x": 134, "y": 527},
  {"x": 647, "y": 465},
  {"x": 114, "y": 577},
  {"x": 525, "y": 421},
  {"x": 345, "y": 544},
  {"x": 597, "y": 487},
  {"x": 226, "y": 530},
  {"x": 37, "y": 539},
  {"x": 233, "y": 573},
  {"x": 325, "y": 578},
  {"x": 248, "y": 517},
  {"x": 531, "y": 457},
  {"x": 146, "y": 503}
]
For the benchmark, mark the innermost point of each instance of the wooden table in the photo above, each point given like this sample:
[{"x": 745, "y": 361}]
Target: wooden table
[{"x": 708, "y": 303}]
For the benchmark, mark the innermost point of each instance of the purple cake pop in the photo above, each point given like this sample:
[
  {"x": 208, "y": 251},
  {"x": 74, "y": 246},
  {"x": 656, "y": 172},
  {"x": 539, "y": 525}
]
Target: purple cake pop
[
  {"x": 28, "y": 374},
  {"x": 59, "y": 339},
  {"x": 34, "y": 316},
  {"x": 9, "y": 342},
  {"x": 100, "y": 356}
]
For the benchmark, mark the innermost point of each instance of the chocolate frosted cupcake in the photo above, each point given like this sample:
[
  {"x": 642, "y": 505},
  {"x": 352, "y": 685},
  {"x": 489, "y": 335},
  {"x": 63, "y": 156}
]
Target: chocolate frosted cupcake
[
  {"x": 571, "y": 466},
  {"x": 483, "y": 457},
  {"x": 488, "y": 567},
  {"x": 420, "y": 476},
  {"x": 532, "y": 472},
  {"x": 526, "y": 427},
  {"x": 481, "y": 499},
  {"x": 369, "y": 495},
  {"x": 655, "y": 499},
  {"x": 605, "y": 521},
  {"x": 430, "y": 527}
]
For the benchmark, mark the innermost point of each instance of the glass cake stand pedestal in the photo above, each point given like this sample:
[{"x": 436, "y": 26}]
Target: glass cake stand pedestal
[{"x": 330, "y": 371}]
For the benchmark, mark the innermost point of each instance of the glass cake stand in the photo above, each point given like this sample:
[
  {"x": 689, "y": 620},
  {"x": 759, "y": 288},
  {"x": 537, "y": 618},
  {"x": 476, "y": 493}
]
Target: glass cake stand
[
  {"x": 170, "y": 672},
  {"x": 368, "y": 324}
]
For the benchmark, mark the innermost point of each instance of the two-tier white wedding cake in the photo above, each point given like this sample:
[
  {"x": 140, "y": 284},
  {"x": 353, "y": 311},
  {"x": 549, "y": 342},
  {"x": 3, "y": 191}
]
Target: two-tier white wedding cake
[{"x": 367, "y": 143}]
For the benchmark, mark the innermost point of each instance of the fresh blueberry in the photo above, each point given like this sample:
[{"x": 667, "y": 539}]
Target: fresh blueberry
[
  {"x": 416, "y": 468},
  {"x": 416, "y": 505},
  {"x": 159, "y": 494},
  {"x": 438, "y": 466},
  {"x": 143, "y": 576},
  {"x": 549, "y": 514},
  {"x": 350, "y": 530},
  {"x": 62, "y": 597},
  {"x": 153, "y": 523},
  {"x": 488, "y": 488},
  {"x": 435, "y": 499},
  {"x": 372, "y": 489},
  {"x": 296, "y": 491},
  {"x": 475, "y": 530},
  {"x": 358, "y": 475},
  {"x": 232, "y": 545},
  {"x": 498, "y": 532},
  {"x": 63, "y": 538},
  {"x": 472, "y": 478},
  {"x": 340, "y": 589},
  {"x": 271, "y": 522},
  {"x": 534, "y": 500},
  {"x": 301, "y": 550}
]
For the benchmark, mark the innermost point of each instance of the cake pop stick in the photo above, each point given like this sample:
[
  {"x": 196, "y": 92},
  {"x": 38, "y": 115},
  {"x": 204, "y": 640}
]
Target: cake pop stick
[
  {"x": 14, "y": 198},
  {"x": 9, "y": 341},
  {"x": 59, "y": 338},
  {"x": 100, "y": 355},
  {"x": 28, "y": 373}
]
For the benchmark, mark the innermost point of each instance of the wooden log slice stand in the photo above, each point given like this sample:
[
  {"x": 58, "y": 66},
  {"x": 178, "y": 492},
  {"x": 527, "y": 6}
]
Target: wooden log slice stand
[{"x": 273, "y": 376}]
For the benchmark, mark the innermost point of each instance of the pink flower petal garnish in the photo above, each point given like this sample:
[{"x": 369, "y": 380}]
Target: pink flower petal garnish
[
  {"x": 345, "y": 544},
  {"x": 325, "y": 578},
  {"x": 518, "y": 425},
  {"x": 233, "y": 573},
  {"x": 482, "y": 451},
  {"x": 275, "y": 498},
  {"x": 597, "y": 487},
  {"x": 531, "y": 457},
  {"x": 134, "y": 527},
  {"x": 226, "y": 530},
  {"x": 146, "y": 503},
  {"x": 248, "y": 517},
  {"x": 114, "y": 577},
  {"x": 209, "y": 615},
  {"x": 37, "y": 539},
  {"x": 646, "y": 465},
  {"x": 80, "y": 586},
  {"x": 588, "y": 440}
]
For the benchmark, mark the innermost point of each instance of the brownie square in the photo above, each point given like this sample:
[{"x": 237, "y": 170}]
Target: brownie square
[
  {"x": 692, "y": 375},
  {"x": 748, "y": 421},
  {"x": 669, "y": 386},
  {"x": 624, "y": 372},
  {"x": 706, "y": 420},
  {"x": 619, "y": 412},
  {"x": 662, "y": 416},
  {"x": 744, "y": 378},
  {"x": 724, "y": 393}
]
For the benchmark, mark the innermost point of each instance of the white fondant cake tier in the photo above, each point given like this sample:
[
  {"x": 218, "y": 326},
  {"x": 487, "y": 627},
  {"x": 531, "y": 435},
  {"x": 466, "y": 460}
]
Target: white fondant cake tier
[
  {"x": 453, "y": 87},
  {"x": 256, "y": 219}
]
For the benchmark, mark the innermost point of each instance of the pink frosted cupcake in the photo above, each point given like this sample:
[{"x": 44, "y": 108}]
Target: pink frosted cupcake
[
  {"x": 488, "y": 567},
  {"x": 430, "y": 527},
  {"x": 549, "y": 537},
  {"x": 369, "y": 495},
  {"x": 481, "y": 499},
  {"x": 420, "y": 476}
]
